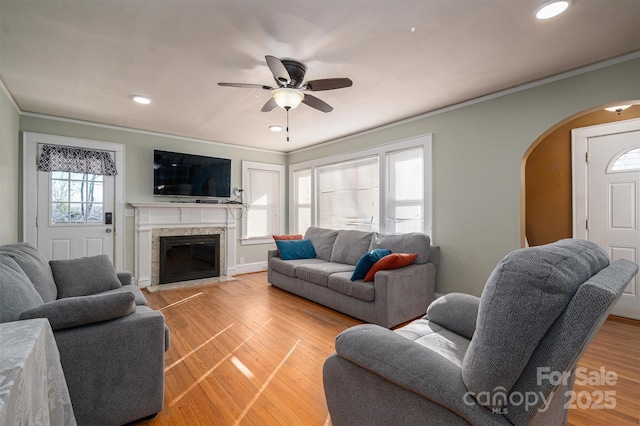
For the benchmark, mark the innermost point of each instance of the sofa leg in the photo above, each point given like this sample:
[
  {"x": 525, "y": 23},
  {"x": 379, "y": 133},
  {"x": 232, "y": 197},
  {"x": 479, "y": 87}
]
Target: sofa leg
[{"x": 150, "y": 417}]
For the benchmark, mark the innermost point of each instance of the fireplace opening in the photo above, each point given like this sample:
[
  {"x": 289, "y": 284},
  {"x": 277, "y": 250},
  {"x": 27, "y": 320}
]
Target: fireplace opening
[{"x": 189, "y": 257}]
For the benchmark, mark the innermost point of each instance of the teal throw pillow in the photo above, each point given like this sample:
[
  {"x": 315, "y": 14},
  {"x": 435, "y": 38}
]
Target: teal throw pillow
[
  {"x": 295, "y": 249},
  {"x": 367, "y": 261}
]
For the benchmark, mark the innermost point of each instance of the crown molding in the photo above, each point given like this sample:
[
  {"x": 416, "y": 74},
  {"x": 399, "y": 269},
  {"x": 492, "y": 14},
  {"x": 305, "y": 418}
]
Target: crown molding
[
  {"x": 11, "y": 100},
  {"x": 536, "y": 83},
  {"x": 145, "y": 132}
]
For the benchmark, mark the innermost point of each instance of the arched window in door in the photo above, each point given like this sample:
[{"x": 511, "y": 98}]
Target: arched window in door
[{"x": 627, "y": 161}]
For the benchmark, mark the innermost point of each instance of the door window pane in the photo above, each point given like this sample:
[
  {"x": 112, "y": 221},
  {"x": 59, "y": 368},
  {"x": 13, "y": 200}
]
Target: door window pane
[
  {"x": 627, "y": 162},
  {"x": 76, "y": 198}
]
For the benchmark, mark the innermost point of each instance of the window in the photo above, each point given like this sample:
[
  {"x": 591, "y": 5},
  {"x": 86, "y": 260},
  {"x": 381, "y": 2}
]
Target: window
[
  {"x": 348, "y": 195},
  {"x": 385, "y": 189},
  {"x": 76, "y": 198},
  {"x": 405, "y": 202},
  {"x": 301, "y": 201},
  {"x": 263, "y": 186}
]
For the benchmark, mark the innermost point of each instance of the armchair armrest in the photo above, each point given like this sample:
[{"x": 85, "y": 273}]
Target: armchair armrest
[
  {"x": 115, "y": 369},
  {"x": 412, "y": 366},
  {"x": 456, "y": 312},
  {"x": 125, "y": 277},
  {"x": 82, "y": 310}
]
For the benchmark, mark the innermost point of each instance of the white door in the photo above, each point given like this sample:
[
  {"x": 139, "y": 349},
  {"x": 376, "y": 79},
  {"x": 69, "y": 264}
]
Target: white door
[
  {"x": 65, "y": 214},
  {"x": 612, "y": 194},
  {"x": 75, "y": 215}
]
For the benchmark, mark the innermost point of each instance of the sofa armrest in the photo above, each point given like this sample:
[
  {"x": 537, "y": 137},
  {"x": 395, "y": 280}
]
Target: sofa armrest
[
  {"x": 125, "y": 277},
  {"x": 403, "y": 293},
  {"x": 411, "y": 366},
  {"x": 457, "y": 312},
  {"x": 272, "y": 253},
  {"x": 82, "y": 310}
]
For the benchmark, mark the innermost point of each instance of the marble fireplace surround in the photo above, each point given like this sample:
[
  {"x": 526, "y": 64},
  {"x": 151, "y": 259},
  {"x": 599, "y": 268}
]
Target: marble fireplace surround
[{"x": 153, "y": 220}]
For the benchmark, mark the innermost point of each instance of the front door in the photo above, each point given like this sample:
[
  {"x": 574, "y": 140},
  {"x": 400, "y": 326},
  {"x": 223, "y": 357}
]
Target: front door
[
  {"x": 69, "y": 215},
  {"x": 612, "y": 193}
]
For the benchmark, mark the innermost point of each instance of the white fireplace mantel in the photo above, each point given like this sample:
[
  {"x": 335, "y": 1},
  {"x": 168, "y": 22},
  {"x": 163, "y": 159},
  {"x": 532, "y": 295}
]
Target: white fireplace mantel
[{"x": 149, "y": 216}]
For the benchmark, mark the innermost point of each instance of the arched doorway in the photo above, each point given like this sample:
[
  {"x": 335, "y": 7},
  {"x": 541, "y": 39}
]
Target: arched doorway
[{"x": 545, "y": 183}]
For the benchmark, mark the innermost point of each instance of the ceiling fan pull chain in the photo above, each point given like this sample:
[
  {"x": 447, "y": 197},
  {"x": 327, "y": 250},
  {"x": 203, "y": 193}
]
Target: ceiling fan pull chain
[{"x": 287, "y": 123}]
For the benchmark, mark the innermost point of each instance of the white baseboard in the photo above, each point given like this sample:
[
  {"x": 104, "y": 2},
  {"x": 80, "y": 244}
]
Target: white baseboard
[{"x": 247, "y": 268}]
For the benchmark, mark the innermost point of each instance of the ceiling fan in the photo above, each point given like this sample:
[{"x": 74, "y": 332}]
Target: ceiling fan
[{"x": 290, "y": 90}]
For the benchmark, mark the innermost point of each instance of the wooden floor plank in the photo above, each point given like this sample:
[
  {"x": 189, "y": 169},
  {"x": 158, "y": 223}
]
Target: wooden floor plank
[{"x": 246, "y": 353}]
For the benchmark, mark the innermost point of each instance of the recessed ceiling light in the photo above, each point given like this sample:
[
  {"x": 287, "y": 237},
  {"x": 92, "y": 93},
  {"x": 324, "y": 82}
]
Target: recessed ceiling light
[
  {"x": 617, "y": 108},
  {"x": 275, "y": 128},
  {"x": 141, "y": 99},
  {"x": 551, "y": 8}
]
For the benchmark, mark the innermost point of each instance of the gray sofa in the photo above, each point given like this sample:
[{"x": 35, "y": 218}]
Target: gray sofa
[
  {"x": 506, "y": 358},
  {"x": 395, "y": 296},
  {"x": 111, "y": 343}
]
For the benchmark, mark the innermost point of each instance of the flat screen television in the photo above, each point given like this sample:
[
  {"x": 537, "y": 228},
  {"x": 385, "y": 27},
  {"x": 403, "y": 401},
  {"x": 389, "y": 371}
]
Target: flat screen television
[{"x": 190, "y": 175}]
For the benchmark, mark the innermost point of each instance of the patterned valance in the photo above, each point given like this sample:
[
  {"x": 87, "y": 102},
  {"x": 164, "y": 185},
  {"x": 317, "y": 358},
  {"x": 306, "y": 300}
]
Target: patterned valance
[{"x": 76, "y": 160}]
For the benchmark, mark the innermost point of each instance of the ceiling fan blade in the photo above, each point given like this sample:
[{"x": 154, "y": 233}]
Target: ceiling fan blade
[
  {"x": 316, "y": 103},
  {"x": 327, "y": 84},
  {"x": 271, "y": 104},
  {"x": 278, "y": 70},
  {"x": 246, "y": 86}
]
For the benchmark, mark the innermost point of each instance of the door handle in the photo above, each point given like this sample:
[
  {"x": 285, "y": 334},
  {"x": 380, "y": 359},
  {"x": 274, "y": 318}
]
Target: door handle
[{"x": 109, "y": 230}]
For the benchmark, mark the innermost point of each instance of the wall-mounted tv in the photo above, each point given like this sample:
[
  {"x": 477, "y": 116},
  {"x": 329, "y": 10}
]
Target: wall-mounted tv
[{"x": 190, "y": 175}]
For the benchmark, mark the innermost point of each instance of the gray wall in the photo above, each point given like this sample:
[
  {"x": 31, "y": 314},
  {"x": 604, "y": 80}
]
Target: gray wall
[
  {"x": 477, "y": 152},
  {"x": 9, "y": 171},
  {"x": 139, "y": 165}
]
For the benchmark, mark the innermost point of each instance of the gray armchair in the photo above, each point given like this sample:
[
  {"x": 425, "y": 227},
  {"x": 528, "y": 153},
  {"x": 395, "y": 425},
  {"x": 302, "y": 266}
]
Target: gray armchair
[{"x": 508, "y": 357}]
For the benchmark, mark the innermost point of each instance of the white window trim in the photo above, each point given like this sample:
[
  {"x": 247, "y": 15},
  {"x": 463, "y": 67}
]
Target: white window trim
[
  {"x": 246, "y": 166},
  {"x": 381, "y": 150}
]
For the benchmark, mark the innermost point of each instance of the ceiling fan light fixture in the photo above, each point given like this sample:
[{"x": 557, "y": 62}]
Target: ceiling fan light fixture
[
  {"x": 551, "y": 8},
  {"x": 287, "y": 98},
  {"x": 275, "y": 128}
]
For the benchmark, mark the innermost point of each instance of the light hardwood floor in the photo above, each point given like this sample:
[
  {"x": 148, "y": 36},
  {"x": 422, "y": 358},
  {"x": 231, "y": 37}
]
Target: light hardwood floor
[{"x": 246, "y": 353}]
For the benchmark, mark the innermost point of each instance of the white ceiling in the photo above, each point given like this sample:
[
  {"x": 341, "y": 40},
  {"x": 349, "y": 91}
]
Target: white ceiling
[{"x": 83, "y": 59}]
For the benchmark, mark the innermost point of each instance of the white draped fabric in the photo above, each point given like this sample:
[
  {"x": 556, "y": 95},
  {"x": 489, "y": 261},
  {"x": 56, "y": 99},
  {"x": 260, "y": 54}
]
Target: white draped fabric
[{"x": 33, "y": 390}]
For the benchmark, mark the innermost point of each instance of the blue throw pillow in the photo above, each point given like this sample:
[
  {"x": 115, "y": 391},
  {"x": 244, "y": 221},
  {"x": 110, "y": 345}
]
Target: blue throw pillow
[
  {"x": 367, "y": 261},
  {"x": 295, "y": 249}
]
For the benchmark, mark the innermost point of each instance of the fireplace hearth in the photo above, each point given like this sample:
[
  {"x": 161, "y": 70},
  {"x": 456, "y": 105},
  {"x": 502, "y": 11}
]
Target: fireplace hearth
[{"x": 189, "y": 257}]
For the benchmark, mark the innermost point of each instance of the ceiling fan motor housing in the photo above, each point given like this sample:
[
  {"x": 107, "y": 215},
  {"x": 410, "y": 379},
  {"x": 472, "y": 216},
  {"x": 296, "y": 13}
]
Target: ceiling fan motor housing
[{"x": 296, "y": 71}]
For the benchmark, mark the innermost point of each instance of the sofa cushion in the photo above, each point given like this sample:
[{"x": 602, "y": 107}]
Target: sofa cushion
[
  {"x": 367, "y": 260},
  {"x": 82, "y": 310},
  {"x": 341, "y": 282},
  {"x": 295, "y": 249},
  {"x": 543, "y": 281},
  {"x": 35, "y": 266},
  {"x": 413, "y": 242},
  {"x": 322, "y": 240},
  {"x": 391, "y": 261},
  {"x": 133, "y": 289},
  {"x": 319, "y": 273},
  {"x": 84, "y": 276},
  {"x": 350, "y": 245},
  {"x": 17, "y": 294},
  {"x": 288, "y": 267}
]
